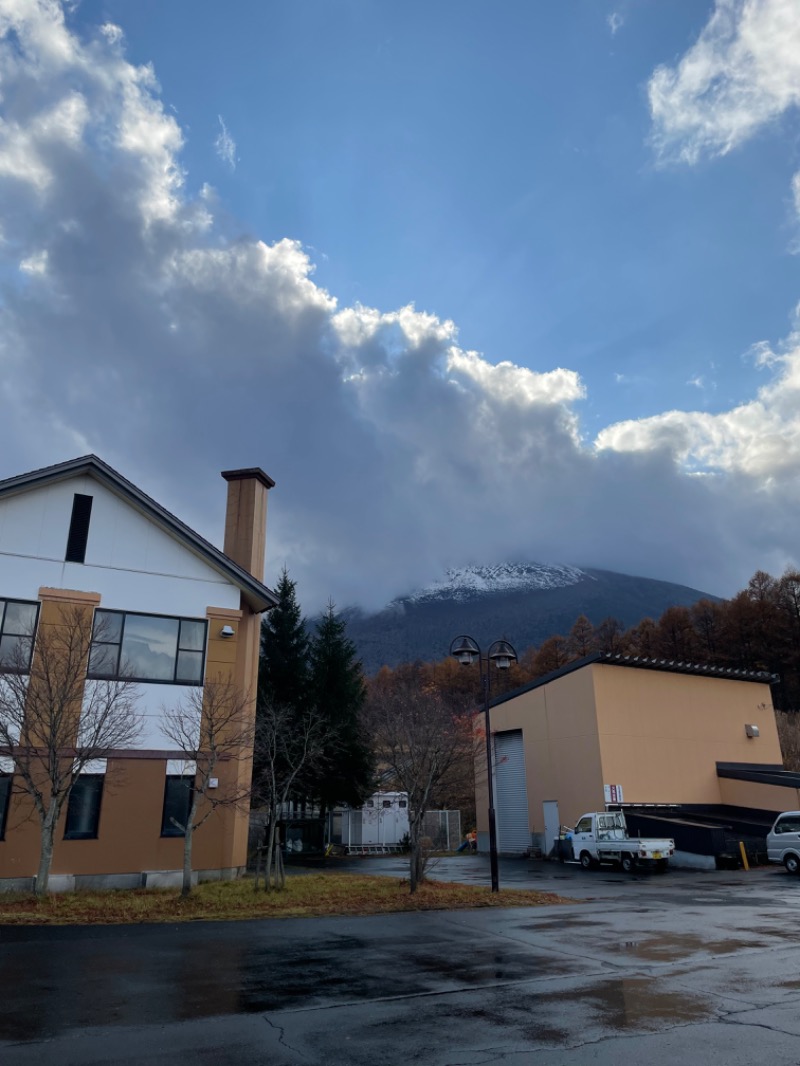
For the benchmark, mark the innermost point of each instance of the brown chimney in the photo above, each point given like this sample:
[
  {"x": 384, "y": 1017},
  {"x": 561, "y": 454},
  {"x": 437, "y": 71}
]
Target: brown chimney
[{"x": 246, "y": 518}]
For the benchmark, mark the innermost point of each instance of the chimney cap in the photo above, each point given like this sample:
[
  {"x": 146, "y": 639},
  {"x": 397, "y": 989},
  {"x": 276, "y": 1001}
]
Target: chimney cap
[{"x": 248, "y": 473}]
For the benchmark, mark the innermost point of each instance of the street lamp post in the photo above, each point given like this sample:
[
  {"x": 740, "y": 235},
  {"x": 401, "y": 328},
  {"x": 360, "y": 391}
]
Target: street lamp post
[{"x": 502, "y": 654}]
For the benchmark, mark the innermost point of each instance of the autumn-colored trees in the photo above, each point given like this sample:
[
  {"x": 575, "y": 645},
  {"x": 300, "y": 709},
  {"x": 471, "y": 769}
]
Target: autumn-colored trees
[{"x": 757, "y": 629}]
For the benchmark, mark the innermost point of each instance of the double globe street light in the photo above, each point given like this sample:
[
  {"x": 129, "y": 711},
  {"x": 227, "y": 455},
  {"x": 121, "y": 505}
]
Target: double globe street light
[{"x": 502, "y": 654}]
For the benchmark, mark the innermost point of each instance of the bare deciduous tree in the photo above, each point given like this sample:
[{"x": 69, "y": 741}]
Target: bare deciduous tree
[
  {"x": 54, "y": 722},
  {"x": 210, "y": 726},
  {"x": 423, "y": 739},
  {"x": 289, "y": 743}
]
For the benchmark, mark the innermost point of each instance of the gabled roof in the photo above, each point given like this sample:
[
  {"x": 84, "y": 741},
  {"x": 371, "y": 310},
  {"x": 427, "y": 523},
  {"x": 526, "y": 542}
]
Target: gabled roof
[
  {"x": 257, "y": 595},
  {"x": 641, "y": 662}
]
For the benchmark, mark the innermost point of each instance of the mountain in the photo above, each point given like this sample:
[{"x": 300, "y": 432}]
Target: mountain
[{"x": 524, "y": 603}]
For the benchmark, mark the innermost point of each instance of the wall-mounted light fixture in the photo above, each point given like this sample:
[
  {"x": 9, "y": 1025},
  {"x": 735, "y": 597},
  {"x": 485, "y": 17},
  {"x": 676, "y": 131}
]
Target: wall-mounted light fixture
[
  {"x": 227, "y": 631},
  {"x": 752, "y": 731}
]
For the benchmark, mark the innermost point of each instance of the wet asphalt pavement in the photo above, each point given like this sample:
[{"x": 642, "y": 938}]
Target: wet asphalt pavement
[{"x": 684, "y": 967}]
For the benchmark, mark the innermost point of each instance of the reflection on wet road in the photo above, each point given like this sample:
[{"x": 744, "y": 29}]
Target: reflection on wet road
[{"x": 704, "y": 962}]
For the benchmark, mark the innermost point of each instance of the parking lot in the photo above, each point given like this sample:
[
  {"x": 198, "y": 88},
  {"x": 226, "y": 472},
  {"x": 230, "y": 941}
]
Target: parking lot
[{"x": 692, "y": 967}]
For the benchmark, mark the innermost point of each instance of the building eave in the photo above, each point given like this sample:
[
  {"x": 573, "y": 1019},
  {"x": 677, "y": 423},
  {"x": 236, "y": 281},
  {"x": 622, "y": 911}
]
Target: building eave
[{"x": 639, "y": 662}]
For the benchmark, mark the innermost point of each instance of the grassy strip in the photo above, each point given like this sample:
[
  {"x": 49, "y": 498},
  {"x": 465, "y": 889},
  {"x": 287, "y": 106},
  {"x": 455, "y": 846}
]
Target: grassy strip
[{"x": 314, "y": 895}]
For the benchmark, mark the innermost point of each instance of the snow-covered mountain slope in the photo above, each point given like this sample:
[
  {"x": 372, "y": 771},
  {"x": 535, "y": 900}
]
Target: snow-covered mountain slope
[
  {"x": 521, "y": 602},
  {"x": 471, "y": 581}
]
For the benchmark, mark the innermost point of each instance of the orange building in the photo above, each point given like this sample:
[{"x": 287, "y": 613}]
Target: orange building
[
  {"x": 174, "y": 612},
  {"x": 619, "y": 730}
]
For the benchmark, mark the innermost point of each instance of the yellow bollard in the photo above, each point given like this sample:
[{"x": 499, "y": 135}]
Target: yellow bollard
[{"x": 745, "y": 863}]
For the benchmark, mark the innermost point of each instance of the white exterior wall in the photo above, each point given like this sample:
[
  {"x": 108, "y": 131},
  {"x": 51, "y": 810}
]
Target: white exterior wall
[
  {"x": 130, "y": 561},
  {"x": 152, "y": 700}
]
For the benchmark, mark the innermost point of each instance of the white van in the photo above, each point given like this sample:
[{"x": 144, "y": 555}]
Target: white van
[{"x": 783, "y": 841}]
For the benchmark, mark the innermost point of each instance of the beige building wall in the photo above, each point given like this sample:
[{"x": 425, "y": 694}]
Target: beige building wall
[
  {"x": 657, "y": 734},
  {"x": 661, "y": 734},
  {"x": 760, "y": 796},
  {"x": 560, "y": 742}
]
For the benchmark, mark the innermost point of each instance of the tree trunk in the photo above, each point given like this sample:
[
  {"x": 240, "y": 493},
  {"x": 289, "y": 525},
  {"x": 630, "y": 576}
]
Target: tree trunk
[
  {"x": 46, "y": 852},
  {"x": 268, "y": 859},
  {"x": 186, "y": 886},
  {"x": 415, "y": 858},
  {"x": 280, "y": 873}
]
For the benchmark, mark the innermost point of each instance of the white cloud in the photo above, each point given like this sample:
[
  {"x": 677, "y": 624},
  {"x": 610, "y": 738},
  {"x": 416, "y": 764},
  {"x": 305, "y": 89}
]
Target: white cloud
[
  {"x": 741, "y": 74},
  {"x": 759, "y": 439},
  {"x": 225, "y": 145},
  {"x": 35, "y": 264},
  {"x": 615, "y": 22},
  {"x": 176, "y": 352}
]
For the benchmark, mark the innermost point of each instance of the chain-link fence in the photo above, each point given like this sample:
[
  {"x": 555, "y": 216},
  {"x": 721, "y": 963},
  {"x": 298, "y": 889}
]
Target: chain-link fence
[{"x": 443, "y": 828}]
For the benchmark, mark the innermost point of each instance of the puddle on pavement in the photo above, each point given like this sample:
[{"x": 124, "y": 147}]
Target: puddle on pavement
[
  {"x": 566, "y": 1017},
  {"x": 636, "y": 1003},
  {"x": 562, "y": 921},
  {"x": 480, "y": 967},
  {"x": 678, "y": 946}
]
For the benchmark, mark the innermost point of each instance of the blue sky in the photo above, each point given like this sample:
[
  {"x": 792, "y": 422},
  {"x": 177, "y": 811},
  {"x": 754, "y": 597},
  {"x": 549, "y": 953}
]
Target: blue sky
[
  {"x": 491, "y": 165},
  {"x": 589, "y": 205}
]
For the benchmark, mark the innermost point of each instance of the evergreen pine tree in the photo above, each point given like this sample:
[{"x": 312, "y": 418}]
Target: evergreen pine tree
[
  {"x": 339, "y": 693},
  {"x": 284, "y": 662},
  {"x": 284, "y": 665}
]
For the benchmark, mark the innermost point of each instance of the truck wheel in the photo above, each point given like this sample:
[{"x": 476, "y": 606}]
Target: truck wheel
[
  {"x": 587, "y": 862},
  {"x": 628, "y": 863},
  {"x": 792, "y": 864}
]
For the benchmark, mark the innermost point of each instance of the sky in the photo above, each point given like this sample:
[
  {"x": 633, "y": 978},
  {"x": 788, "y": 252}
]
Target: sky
[{"x": 474, "y": 283}]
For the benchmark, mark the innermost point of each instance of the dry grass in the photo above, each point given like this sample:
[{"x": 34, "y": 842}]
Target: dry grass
[{"x": 312, "y": 895}]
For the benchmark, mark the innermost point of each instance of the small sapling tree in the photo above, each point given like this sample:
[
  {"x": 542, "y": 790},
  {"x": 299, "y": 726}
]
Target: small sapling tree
[
  {"x": 53, "y": 720},
  {"x": 209, "y": 727}
]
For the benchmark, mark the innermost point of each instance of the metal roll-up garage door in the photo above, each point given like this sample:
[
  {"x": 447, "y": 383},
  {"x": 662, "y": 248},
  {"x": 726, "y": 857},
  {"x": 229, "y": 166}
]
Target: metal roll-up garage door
[{"x": 511, "y": 793}]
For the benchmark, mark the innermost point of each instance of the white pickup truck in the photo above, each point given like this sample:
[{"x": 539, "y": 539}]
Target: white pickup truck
[{"x": 603, "y": 837}]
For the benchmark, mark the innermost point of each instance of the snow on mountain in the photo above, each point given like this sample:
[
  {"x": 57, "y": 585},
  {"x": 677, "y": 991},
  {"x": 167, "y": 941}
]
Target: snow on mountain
[{"x": 470, "y": 582}]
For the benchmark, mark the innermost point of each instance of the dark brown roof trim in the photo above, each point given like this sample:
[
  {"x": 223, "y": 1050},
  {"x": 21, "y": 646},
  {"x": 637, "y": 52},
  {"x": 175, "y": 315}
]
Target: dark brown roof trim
[{"x": 250, "y": 472}]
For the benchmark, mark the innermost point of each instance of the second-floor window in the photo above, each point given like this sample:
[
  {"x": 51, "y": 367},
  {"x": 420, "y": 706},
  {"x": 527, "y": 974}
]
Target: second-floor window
[
  {"x": 147, "y": 647},
  {"x": 17, "y": 629}
]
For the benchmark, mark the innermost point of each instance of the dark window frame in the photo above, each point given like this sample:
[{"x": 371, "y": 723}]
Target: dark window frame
[
  {"x": 6, "y": 780},
  {"x": 94, "y": 832},
  {"x": 117, "y": 676},
  {"x": 168, "y": 829},
  {"x": 32, "y": 636}
]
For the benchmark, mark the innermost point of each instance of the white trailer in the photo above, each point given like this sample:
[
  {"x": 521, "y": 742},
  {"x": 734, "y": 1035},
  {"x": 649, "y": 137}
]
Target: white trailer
[{"x": 602, "y": 836}]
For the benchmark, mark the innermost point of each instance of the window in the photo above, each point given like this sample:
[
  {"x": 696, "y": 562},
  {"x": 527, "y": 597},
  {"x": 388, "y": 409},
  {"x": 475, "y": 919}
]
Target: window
[
  {"x": 5, "y": 802},
  {"x": 584, "y": 826},
  {"x": 83, "y": 810},
  {"x": 387, "y": 803},
  {"x": 789, "y": 824},
  {"x": 177, "y": 800},
  {"x": 17, "y": 628},
  {"x": 402, "y": 803},
  {"x": 147, "y": 647},
  {"x": 78, "y": 528}
]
